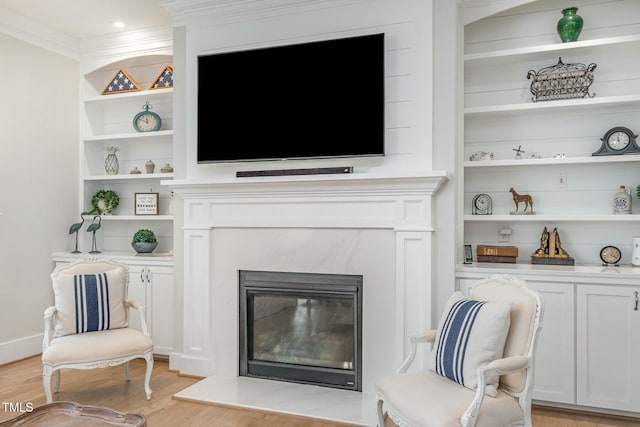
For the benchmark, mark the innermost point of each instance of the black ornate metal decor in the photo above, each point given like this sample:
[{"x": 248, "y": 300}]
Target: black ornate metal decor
[{"x": 562, "y": 81}]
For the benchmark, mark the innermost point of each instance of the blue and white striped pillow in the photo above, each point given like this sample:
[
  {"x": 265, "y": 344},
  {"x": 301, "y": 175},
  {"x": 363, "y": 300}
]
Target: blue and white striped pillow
[
  {"x": 89, "y": 302},
  {"x": 470, "y": 335}
]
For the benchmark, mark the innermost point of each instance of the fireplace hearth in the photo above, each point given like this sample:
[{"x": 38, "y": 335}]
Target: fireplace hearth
[{"x": 301, "y": 327}]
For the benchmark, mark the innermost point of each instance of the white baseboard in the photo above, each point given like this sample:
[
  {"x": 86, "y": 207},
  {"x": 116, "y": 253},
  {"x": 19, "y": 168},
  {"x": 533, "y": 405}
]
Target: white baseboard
[
  {"x": 21, "y": 348},
  {"x": 190, "y": 365}
]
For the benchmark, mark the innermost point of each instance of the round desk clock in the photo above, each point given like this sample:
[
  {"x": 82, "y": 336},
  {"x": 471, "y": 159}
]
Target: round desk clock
[
  {"x": 610, "y": 255},
  {"x": 481, "y": 204},
  {"x": 147, "y": 121}
]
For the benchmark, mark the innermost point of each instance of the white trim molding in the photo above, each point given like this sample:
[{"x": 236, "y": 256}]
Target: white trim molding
[{"x": 401, "y": 205}]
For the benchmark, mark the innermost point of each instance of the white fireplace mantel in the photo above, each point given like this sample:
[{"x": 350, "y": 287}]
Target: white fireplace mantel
[
  {"x": 338, "y": 204},
  {"x": 349, "y": 200}
]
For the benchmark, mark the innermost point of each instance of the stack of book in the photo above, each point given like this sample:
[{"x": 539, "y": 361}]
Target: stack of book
[{"x": 506, "y": 254}]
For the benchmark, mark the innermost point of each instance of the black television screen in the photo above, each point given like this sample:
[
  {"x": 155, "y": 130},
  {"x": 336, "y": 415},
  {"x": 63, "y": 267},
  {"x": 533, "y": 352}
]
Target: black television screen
[{"x": 309, "y": 100}]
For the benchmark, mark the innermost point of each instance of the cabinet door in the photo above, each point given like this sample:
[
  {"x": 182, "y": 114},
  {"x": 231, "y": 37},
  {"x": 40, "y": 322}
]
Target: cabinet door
[
  {"x": 608, "y": 347},
  {"x": 160, "y": 291},
  {"x": 554, "y": 379},
  {"x": 138, "y": 292}
]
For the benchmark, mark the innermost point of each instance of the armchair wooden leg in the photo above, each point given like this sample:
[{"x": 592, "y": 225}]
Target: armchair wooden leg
[
  {"x": 46, "y": 382},
  {"x": 147, "y": 375},
  {"x": 380, "y": 413}
]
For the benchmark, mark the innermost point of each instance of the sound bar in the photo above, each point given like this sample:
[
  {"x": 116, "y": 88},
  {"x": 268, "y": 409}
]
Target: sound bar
[{"x": 285, "y": 172}]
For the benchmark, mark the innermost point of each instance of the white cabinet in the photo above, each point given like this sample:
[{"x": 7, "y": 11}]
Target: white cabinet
[
  {"x": 554, "y": 372},
  {"x": 589, "y": 345},
  {"x": 608, "y": 343},
  {"x": 555, "y": 354},
  {"x": 107, "y": 120},
  {"x": 573, "y": 193},
  {"x": 153, "y": 286}
]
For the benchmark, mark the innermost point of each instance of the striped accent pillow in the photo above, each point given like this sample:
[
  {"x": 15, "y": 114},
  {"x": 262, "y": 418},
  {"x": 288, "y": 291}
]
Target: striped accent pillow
[
  {"x": 89, "y": 302},
  {"x": 470, "y": 335}
]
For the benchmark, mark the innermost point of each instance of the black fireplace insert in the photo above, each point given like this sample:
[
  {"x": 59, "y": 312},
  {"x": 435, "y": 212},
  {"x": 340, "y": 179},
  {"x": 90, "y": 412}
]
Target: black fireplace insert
[{"x": 301, "y": 327}]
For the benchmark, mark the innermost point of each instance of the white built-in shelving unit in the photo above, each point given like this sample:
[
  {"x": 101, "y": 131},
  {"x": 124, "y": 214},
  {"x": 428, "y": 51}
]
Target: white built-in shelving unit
[
  {"x": 575, "y": 192},
  {"x": 108, "y": 121},
  {"x": 589, "y": 314}
]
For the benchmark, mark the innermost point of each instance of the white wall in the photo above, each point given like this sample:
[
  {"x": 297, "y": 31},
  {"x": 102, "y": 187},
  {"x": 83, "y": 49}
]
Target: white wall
[
  {"x": 39, "y": 175},
  {"x": 408, "y": 72}
]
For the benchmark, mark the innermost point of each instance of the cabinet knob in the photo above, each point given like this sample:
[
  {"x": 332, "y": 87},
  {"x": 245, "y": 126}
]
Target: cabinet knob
[
  {"x": 148, "y": 281},
  {"x": 636, "y": 295},
  {"x": 141, "y": 278}
]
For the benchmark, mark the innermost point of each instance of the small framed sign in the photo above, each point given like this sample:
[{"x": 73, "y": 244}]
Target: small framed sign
[{"x": 146, "y": 203}]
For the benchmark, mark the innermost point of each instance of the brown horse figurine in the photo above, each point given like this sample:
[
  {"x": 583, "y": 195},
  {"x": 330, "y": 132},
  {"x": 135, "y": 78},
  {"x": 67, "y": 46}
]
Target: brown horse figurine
[{"x": 517, "y": 198}]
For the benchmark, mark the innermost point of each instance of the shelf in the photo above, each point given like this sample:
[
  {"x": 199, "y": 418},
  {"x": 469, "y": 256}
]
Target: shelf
[
  {"x": 133, "y": 177},
  {"x": 570, "y": 272},
  {"x": 567, "y": 104},
  {"x": 129, "y": 136},
  {"x": 129, "y": 95},
  {"x": 552, "y": 161},
  {"x": 137, "y": 217},
  {"x": 555, "y": 47},
  {"x": 552, "y": 218}
]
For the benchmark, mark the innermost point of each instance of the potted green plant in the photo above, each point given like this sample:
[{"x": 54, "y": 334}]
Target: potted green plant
[{"x": 144, "y": 241}]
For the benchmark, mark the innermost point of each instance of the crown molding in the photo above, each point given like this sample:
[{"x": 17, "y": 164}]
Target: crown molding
[{"x": 25, "y": 29}]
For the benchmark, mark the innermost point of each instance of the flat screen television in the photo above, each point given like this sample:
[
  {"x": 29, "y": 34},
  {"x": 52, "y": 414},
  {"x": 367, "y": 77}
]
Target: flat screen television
[{"x": 310, "y": 100}]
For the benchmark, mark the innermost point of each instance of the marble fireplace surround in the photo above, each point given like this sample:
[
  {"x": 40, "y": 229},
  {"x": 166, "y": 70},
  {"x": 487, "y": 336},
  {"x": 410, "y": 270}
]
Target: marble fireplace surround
[{"x": 379, "y": 227}]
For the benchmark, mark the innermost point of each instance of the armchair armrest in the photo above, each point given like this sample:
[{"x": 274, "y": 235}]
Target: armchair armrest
[
  {"x": 506, "y": 365},
  {"x": 49, "y": 327},
  {"x": 427, "y": 337},
  {"x": 135, "y": 305}
]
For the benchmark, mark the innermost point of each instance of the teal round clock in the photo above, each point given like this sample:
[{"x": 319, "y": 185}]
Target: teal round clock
[{"x": 147, "y": 121}]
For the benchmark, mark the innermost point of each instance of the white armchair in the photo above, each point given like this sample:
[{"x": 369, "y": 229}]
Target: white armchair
[
  {"x": 482, "y": 351},
  {"x": 88, "y": 326}
]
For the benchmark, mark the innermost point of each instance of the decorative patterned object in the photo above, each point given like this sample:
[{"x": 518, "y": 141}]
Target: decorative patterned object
[
  {"x": 570, "y": 25},
  {"x": 121, "y": 83},
  {"x": 135, "y": 171},
  {"x": 167, "y": 168},
  {"x": 561, "y": 81},
  {"x": 470, "y": 335},
  {"x": 150, "y": 166},
  {"x": 622, "y": 201},
  {"x": 111, "y": 163},
  {"x": 89, "y": 302},
  {"x": 164, "y": 79}
]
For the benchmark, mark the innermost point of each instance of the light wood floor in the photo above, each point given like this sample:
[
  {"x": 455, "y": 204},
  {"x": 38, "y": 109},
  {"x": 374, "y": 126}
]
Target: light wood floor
[{"x": 20, "y": 382}]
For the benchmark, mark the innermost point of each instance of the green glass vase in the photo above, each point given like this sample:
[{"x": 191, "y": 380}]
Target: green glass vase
[{"x": 570, "y": 25}]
